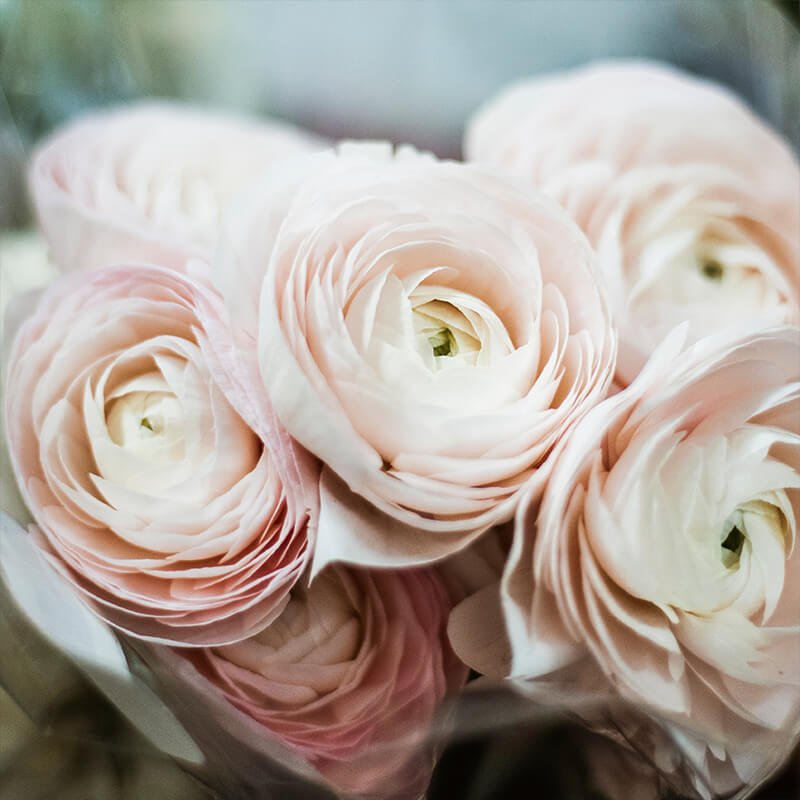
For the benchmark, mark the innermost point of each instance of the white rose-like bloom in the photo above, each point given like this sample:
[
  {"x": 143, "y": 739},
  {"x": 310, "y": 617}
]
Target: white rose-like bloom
[
  {"x": 149, "y": 181},
  {"x": 663, "y": 555},
  {"x": 692, "y": 202},
  {"x": 427, "y": 329}
]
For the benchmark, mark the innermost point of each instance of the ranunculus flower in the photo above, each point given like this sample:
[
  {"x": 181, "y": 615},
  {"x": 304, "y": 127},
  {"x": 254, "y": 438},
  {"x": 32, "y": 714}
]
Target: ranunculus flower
[
  {"x": 692, "y": 244},
  {"x": 692, "y": 203},
  {"x": 663, "y": 557},
  {"x": 611, "y": 117},
  {"x": 429, "y": 330},
  {"x": 148, "y": 182},
  {"x": 152, "y": 494},
  {"x": 349, "y": 677}
]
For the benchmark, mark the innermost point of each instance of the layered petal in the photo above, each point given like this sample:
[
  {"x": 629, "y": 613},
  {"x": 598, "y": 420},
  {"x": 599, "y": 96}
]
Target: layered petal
[
  {"x": 175, "y": 519},
  {"x": 349, "y": 678},
  {"x": 427, "y": 329},
  {"x": 662, "y": 557},
  {"x": 692, "y": 203},
  {"x": 149, "y": 181}
]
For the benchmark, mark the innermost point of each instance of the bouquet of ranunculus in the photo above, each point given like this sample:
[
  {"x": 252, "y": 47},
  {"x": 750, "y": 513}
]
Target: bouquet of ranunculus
[{"x": 306, "y": 431}]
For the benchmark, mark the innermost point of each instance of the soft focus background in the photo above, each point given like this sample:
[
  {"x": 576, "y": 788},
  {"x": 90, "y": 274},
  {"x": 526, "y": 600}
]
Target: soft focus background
[{"x": 406, "y": 71}]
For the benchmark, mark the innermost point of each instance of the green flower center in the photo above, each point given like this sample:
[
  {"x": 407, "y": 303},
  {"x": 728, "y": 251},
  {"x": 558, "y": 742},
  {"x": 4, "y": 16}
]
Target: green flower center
[
  {"x": 734, "y": 540},
  {"x": 713, "y": 270},
  {"x": 443, "y": 343}
]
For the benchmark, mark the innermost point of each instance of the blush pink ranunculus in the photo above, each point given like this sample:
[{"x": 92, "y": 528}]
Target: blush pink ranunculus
[
  {"x": 350, "y": 677},
  {"x": 172, "y": 517},
  {"x": 149, "y": 181},
  {"x": 617, "y": 116},
  {"x": 692, "y": 203},
  {"x": 692, "y": 244},
  {"x": 663, "y": 556},
  {"x": 427, "y": 329}
]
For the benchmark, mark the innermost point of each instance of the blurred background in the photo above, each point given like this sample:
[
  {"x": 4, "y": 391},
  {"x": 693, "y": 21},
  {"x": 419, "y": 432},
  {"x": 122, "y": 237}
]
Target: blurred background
[{"x": 405, "y": 71}]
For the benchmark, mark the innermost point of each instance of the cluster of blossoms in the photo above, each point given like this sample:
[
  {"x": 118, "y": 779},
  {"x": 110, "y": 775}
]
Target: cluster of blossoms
[{"x": 288, "y": 393}]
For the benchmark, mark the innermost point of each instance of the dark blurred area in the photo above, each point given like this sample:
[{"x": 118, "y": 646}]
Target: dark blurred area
[
  {"x": 550, "y": 761},
  {"x": 406, "y": 71}
]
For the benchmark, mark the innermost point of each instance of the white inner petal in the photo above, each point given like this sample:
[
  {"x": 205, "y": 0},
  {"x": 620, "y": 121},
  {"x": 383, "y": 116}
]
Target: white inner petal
[
  {"x": 437, "y": 346},
  {"x": 448, "y": 334},
  {"x": 713, "y": 514},
  {"x": 428, "y": 345},
  {"x": 692, "y": 263},
  {"x": 701, "y": 266},
  {"x": 159, "y": 428},
  {"x": 148, "y": 423}
]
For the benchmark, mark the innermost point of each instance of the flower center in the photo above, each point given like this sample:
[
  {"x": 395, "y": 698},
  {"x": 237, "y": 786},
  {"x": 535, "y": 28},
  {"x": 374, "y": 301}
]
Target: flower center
[
  {"x": 712, "y": 270},
  {"x": 442, "y": 342},
  {"x": 148, "y": 424},
  {"x": 761, "y": 512},
  {"x": 701, "y": 258},
  {"x": 734, "y": 534},
  {"x": 733, "y": 540},
  {"x": 445, "y": 331}
]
